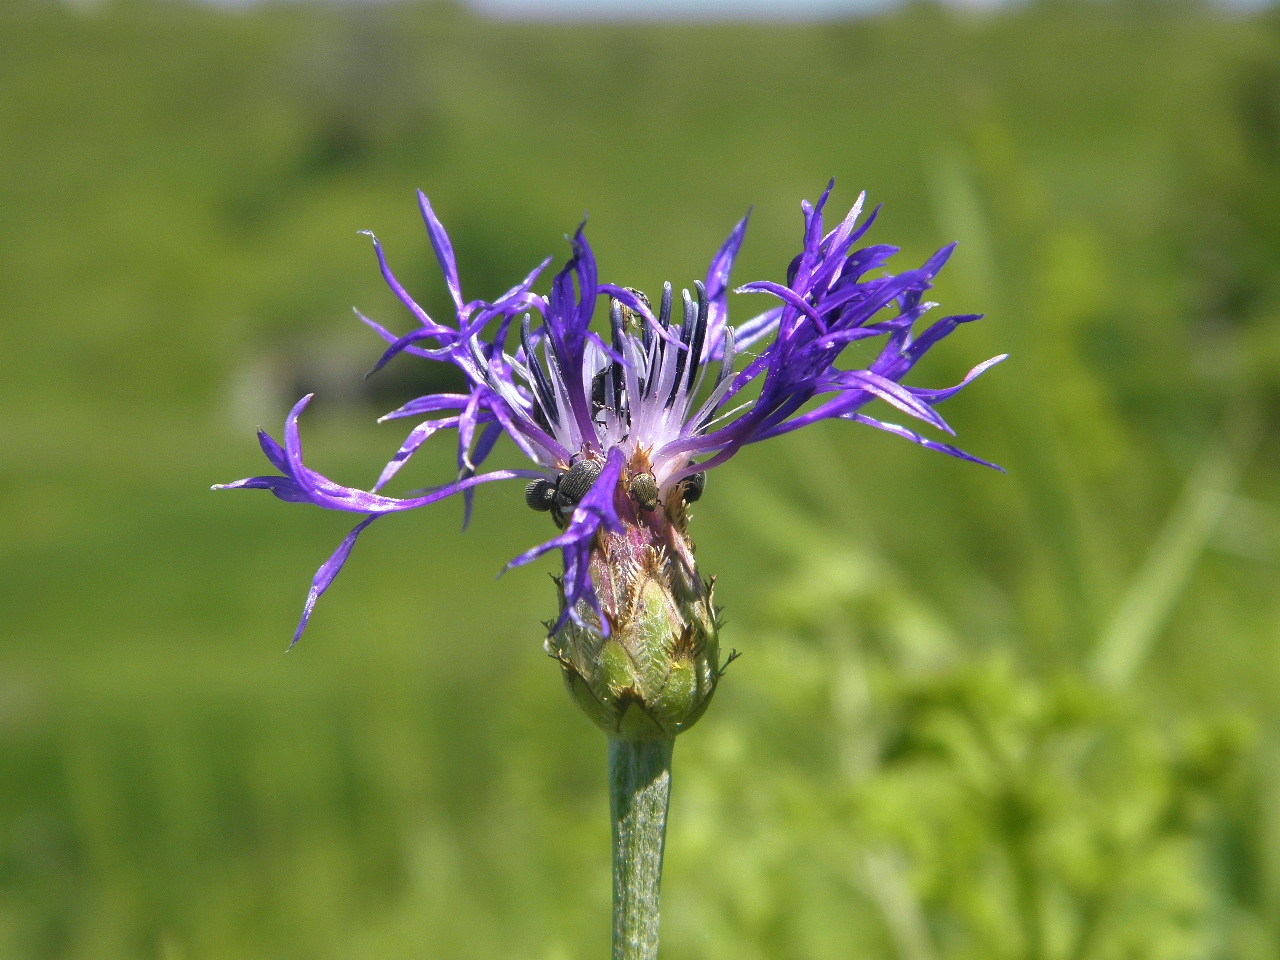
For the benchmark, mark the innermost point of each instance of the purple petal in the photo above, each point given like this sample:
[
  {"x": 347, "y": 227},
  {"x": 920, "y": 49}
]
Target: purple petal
[
  {"x": 937, "y": 396},
  {"x": 607, "y": 350},
  {"x": 756, "y": 328},
  {"x": 629, "y": 299},
  {"x": 404, "y": 343},
  {"x": 936, "y": 332},
  {"x": 872, "y": 297},
  {"x": 401, "y": 294},
  {"x": 467, "y": 430},
  {"x": 325, "y": 493},
  {"x": 441, "y": 244},
  {"x": 842, "y": 338},
  {"x": 525, "y": 432},
  {"x": 785, "y": 294},
  {"x": 467, "y": 421},
  {"x": 727, "y": 450},
  {"x": 388, "y": 336},
  {"x": 585, "y": 268},
  {"x": 428, "y": 404},
  {"x": 894, "y": 394},
  {"x": 858, "y": 387},
  {"x": 924, "y": 442},
  {"x": 868, "y": 258},
  {"x": 285, "y": 488},
  {"x": 324, "y": 576},
  {"x": 519, "y": 298},
  {"x": 417, "y": 437},
  {"x": 488, "y": 437},
  {"x": 809, "y": 259},
  {"x": 717, "y": 284},
  {"x": 938, "y": 261},
  {"x": 835, "y": 245},
  {"x": 273, "y": 450}
]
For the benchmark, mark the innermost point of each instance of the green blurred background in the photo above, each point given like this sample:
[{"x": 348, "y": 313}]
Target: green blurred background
[{"x": 977, "y": 716}]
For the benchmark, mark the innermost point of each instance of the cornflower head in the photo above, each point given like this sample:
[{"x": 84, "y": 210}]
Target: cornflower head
[{"x": 622, "y": 432}]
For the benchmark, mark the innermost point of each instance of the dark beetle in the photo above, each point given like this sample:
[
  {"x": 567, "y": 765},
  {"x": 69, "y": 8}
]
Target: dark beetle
[
  {"x": 563, "y": 494},
  {"x": 644, "y": 490},
  {"x": 540, "y": 495},
  {"x": 692, "y": 486},
  {"x": 573, "y": 486},
  {"x": 567, "y": 490}
]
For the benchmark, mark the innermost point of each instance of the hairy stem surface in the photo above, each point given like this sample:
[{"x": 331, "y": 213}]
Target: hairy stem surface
[{"x": 639, "y": 787}]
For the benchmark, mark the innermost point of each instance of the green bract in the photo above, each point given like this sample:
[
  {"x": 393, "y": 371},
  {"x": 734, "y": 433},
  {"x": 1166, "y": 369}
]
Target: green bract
[{"x": 654, "y": 674}]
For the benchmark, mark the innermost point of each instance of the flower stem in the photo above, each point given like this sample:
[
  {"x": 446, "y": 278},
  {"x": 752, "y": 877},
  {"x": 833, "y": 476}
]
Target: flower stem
[{"x": 639, "y": 787}]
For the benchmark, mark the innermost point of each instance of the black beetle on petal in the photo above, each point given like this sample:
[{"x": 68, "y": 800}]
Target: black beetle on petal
[
  {"x": 644, "y": 490},
  {"x": 575, "y": 484},
  {"x": 693, "y": 485},
  {"x": 540, "y": 495}
]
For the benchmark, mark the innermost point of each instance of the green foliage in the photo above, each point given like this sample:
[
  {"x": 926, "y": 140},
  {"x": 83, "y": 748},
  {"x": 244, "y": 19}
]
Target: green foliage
[{"x": 1031, "y": 715}]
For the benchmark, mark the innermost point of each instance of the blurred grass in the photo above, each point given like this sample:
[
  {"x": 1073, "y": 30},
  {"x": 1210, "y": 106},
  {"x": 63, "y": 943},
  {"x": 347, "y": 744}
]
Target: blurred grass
[{"x": 181, "y": 191}]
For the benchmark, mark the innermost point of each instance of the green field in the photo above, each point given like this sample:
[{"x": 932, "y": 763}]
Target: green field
[{"x": 1033, "y": 715}]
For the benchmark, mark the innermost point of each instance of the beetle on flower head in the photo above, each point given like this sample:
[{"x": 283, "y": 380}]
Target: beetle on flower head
[{"x": 623, "y": 431}]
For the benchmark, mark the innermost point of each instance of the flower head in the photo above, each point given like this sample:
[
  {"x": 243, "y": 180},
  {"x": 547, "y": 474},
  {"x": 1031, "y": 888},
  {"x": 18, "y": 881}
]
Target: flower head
[{"x": 621, "y": 431}]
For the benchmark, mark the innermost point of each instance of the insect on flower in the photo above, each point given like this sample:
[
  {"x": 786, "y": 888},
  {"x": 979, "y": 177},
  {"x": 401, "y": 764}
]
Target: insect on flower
[{"x": 622, "y": 432}]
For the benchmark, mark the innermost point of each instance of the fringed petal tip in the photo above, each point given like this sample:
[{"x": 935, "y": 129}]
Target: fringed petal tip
[
  {"x": 928, "y": 444},
  {"x": 443, "y": 248},
  {"x": 325, "y": 575}
]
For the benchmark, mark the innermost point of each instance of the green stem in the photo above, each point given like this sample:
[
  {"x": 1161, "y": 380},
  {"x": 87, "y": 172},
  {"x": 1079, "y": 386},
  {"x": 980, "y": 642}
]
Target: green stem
[{"x": 639, "y": 787}]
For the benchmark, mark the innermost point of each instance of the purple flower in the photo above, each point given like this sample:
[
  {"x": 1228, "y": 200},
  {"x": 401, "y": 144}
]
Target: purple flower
[{"x": 622, "y": 431}]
